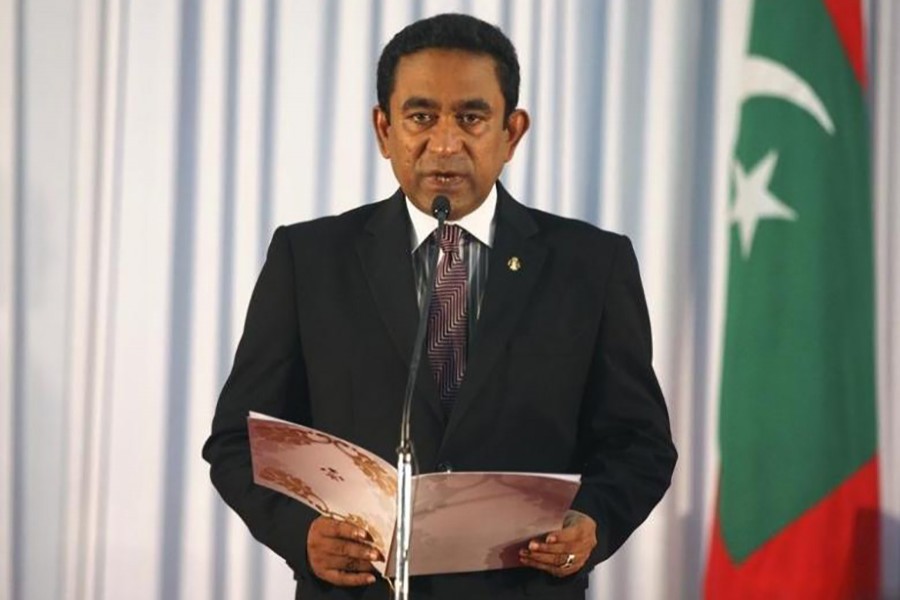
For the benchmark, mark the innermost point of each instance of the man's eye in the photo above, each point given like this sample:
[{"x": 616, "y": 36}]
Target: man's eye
[
  {"x": 470, "y": 118},
  {"x": 420, "y": 118}
]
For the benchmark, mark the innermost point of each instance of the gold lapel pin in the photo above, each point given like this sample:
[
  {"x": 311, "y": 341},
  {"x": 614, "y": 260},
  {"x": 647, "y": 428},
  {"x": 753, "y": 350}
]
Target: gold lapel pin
[{"x": 514, "y": 263}]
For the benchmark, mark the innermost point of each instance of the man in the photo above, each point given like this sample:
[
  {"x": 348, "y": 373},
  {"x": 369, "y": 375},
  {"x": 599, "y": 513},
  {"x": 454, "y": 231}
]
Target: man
[{"x": 540, "y": 362}]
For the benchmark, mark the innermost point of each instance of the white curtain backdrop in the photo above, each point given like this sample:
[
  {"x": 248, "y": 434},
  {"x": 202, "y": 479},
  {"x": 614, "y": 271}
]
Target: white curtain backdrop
[{"x": 148, "y": 149}]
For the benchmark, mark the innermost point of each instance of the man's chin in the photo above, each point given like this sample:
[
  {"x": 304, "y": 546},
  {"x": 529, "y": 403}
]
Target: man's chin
[{"x": 461, "y": 203}]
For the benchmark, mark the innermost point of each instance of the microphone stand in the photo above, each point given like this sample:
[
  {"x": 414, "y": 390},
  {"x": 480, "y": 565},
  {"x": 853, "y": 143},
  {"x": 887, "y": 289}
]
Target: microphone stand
[{"x": 440, "y": 208}]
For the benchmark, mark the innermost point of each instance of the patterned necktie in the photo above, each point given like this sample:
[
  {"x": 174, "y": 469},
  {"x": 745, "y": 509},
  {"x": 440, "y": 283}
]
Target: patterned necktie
[{"x": 448, "y": 318}]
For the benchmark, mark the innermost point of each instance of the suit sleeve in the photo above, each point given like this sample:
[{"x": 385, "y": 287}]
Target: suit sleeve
[
  {"x": 268, "y": 376},
  {"x": 625, "y": 442}
]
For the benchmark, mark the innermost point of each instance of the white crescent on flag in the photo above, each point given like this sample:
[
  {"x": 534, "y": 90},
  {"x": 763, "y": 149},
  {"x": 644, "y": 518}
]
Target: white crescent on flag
[{"x": 764, "y": 77}]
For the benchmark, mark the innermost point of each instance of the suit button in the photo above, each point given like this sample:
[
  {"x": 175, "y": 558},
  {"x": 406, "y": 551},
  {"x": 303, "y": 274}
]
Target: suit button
[{"x": 446, "y": 467}]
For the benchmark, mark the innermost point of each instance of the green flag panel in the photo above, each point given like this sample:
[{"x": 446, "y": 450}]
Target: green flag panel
[{"x": 798, "y": 383}]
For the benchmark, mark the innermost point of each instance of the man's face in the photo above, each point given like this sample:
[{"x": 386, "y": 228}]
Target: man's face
[{"x": 445, "y": 134}]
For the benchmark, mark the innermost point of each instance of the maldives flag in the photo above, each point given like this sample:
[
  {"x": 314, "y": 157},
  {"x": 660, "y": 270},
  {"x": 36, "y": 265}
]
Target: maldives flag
[{"x": 797, "y": 508}]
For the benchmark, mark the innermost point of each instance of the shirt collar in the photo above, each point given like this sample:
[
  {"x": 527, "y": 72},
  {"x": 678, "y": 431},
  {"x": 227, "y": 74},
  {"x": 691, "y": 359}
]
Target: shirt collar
[{"x": 479, "y": 223}]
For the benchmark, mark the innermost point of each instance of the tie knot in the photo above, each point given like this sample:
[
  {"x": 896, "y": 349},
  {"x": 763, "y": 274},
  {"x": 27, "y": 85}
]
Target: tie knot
[{"x": 449, "y": 241}]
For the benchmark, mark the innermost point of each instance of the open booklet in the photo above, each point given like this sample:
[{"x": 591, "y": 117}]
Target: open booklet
[{"x": 462, "y": 521}]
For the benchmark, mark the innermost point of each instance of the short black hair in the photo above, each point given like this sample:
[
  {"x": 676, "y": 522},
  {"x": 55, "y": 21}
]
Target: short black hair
[{"x": 451, "y": 31}]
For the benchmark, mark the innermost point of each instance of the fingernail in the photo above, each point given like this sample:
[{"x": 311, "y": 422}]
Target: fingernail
[
  {"x": 551, "y": 539},
  {"x": 533, "y": 546},
  {"x": 370, "y": 579},
  {"x": 373, "y": 556},
  {"x": 524, "y": 552}
]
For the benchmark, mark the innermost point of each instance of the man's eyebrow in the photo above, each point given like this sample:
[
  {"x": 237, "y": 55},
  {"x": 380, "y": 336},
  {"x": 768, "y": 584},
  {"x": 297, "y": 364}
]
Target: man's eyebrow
[
  {"x": 421, "y": 102},
  {"x": 418, "y": 102},
  {"x": 476, "y": 104}
]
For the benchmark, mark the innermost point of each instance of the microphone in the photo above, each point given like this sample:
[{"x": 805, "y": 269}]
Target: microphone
[{"x": 440, "y": 208}]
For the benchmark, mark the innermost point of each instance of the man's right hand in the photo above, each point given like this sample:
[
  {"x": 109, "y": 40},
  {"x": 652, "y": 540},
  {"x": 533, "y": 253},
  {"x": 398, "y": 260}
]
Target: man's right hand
[{"x": 341, "y": 553}]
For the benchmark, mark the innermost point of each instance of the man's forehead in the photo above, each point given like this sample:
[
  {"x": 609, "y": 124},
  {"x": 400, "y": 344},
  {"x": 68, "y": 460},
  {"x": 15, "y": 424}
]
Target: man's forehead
[
  {"x": 446, "y": 76},
  {"x": 441, "y": 63},
  {"x": 438, "y": 53}
]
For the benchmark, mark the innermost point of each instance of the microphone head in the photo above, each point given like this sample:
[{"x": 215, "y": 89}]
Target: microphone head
[{"x": 440, "y": 207}]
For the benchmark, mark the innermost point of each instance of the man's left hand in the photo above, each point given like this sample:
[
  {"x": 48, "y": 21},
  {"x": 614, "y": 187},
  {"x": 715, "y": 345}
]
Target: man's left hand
[{"x": 562, "y": 553}]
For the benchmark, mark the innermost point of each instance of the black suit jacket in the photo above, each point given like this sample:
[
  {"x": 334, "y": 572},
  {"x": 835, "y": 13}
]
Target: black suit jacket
[{"x": 559, "y": 377}]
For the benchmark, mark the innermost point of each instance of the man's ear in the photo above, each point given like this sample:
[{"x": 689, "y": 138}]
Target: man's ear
[
  {"x": 382, "y": 123},
  {"x": 516, "y": 126}
]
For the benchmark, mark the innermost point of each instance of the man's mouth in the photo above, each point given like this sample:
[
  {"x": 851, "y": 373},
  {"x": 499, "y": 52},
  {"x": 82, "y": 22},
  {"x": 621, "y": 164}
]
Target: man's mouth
[{"x": 445, "y": 178}]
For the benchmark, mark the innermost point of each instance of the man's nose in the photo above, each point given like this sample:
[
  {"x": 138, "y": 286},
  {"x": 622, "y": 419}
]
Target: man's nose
[{"x": 446, "y": 137}]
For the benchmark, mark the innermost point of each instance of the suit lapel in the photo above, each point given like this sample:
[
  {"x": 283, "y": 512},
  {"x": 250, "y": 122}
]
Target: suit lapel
[
  {"x": 383, "y": 249},
  {"x": 505, "y": 298}
]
